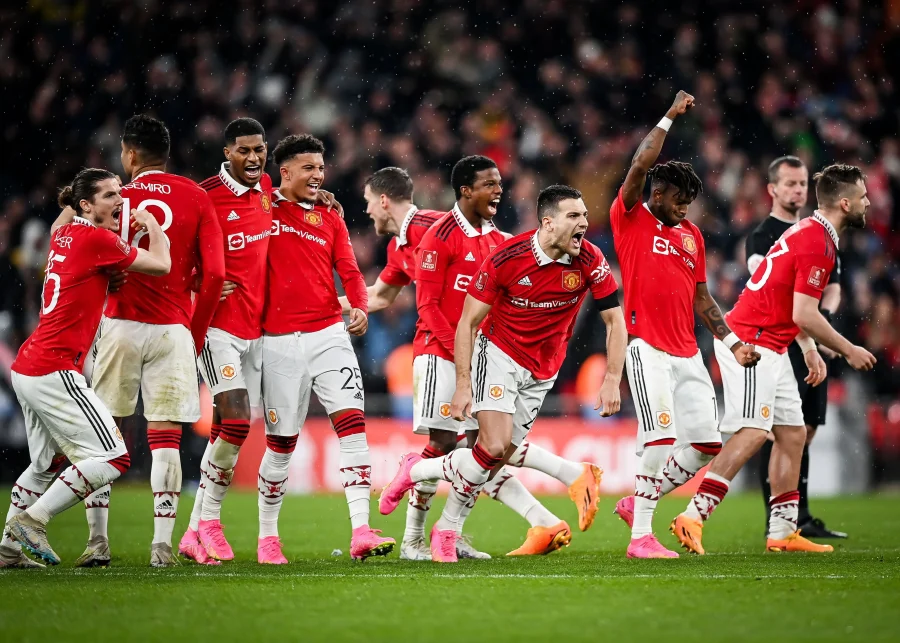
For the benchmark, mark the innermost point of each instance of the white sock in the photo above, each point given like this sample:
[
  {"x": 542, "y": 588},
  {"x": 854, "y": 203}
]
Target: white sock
[
  {"x": 219, "y": 472},
  {"x": 201, "y": 489},
  {"x": 783, "y": 516},
  {"x": 420, "y": 498},
  {"x": 271, "y": 483},
  {"x": 468, "y": 478},
  {"x": 356, "y": 476},
  {"x": 532, "y": 456},
  {"x": 647, "y": 487},
  {"x": 96, "y": 508},
  {"x": 464, "y": 513},
  {"x": 73, "y": 485},
  {"x": 432, "y": 469},
  {"x": 509, "y": 490},
  {"x": 682, "y": 465},
  {"x": 709, "y": 494},
  {"x": 165, "y": 481},
  {"x": 30, "y": 486}
]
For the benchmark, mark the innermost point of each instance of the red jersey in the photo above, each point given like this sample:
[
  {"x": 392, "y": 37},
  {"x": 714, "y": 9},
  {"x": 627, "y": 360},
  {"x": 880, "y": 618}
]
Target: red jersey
[
  {"x": 401, "y": 262},
  {"x": 661, "y": 267},
  {"x": 800, "y": 261},
  {"x": 307, "y": 245},
  {"x": 188, "y": 219},
  {"x": 535, "y": 299},
  {"x": 78, "y": 268},
  {"x": 448, "y": 256},
  {"x": 245, "y": 215}
]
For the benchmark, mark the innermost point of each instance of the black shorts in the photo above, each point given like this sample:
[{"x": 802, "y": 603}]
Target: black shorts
[{"x": 814, "y": 398}]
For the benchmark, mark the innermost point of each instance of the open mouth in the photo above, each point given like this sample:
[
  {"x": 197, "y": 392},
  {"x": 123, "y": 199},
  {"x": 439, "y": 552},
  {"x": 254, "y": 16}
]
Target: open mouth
[
  {"x": 313, "y": 186},
  {"x": 493, "y": 206},
  {"x": 117, "y": 213},
  {"x": 577, "y": 238},
  {"x": 253, "y": 172}
]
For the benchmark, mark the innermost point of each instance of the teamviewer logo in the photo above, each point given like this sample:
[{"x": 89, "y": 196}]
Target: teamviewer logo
[{"x": 236, "y": 241}]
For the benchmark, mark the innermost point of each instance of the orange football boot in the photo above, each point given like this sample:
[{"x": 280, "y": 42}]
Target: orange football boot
[
  {"x": 689, "y": 532},
  {"x": 543, "y": 540},
  {"x": 796, "y": 542},
  {"x": 585, "y": 493}
]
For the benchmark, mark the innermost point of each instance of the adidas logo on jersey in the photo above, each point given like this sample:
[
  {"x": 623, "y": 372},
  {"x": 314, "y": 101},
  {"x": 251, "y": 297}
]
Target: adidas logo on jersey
[
  {"x": 525, "y": 281},
  {"x": 233, "y": 216},
  {"x": 358, "y": 396},
  {"x": 470, "y": 257}
]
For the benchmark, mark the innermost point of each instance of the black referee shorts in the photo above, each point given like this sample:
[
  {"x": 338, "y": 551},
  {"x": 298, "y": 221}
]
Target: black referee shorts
[{"x": 814, "y": 398}]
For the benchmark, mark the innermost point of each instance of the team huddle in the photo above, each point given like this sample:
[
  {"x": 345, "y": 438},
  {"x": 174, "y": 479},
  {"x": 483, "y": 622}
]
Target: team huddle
[{"x": 148, "y": 282}]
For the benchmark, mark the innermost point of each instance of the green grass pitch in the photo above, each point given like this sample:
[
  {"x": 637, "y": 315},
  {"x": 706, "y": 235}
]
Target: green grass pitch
[{"x": 588, "y": 592}]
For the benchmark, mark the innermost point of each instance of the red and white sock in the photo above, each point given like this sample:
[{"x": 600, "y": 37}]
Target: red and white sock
[
  {"x": 783, "y": 514},
  {"x": 75, "y": 484},
  {"x": 470, "y": 469},
  {"x": 215, "y": 429},
  {"x": 96, "y": 507},
  {"x": 709, "y": 494},
  {"x": 28, "y": 488},
  {"x": 165, "y": 481},
  {"x": 220, "y": 466},
  {"x": 272, "y": 481},
  {"x": 647, "y": 484},
  {"x": 420, "y": 498},
  {"x": 684, "y": 463},
  {"x": 532, "y": 456},
  {"x": 509, "y": 490},
  {"x": 356, "y": 465}
]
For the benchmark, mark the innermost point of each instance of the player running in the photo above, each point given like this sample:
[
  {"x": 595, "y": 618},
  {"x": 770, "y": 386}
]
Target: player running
[
  {"x": 306, "y": 346},
  {"x": 780, "y": 304},
  {"x": 527, "y": 294},
  {"x": 663, "y": 260},
  {"x": 147, "y": 338},
  {"x": 788, "y": 187},
  {"x": 63, "y": 416}
]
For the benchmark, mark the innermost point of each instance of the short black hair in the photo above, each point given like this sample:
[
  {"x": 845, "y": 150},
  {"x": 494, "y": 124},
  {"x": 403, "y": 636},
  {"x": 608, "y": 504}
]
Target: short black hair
[
  {"x": 243, "y": 127},
  {"x": 83, "y": 187},
  {"x": 774, "y": 166},
  {"x": 149, "y": 136},
  {"x": 833, "y": 181},
  {"x": 681, "y": 175},
  {"x": 466, "y": 169},
  {"x": 394, "y": 182},
  {"x": 550, "y": 198},
  {"x": 295, "y": 144}
]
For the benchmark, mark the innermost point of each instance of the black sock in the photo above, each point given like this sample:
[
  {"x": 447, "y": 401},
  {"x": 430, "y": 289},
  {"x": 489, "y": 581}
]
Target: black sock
[
  {"x": 765, "y": 454},
  {"x": 803, "y": 511}
]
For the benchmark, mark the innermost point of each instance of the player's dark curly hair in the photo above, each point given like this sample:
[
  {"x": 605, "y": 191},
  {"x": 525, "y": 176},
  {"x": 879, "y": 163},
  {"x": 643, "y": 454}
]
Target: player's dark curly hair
[
  {"x": 149, "y": 136},
  {"x": 550, "y": 197},
  {"x": 243, "y": 127},
  {"x": 393, "y": 182},
  {"x": 291, "y": 146},
  {"x": 833, "y": 181},
  {"x": 83, "y": 187},
  {"x": 466, "y": 169},
  {"x": 681, "y": 175}
]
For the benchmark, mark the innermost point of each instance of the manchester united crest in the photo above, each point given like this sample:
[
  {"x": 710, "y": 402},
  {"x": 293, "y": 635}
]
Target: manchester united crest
[
  {"x": 571, "y": 279},
  {"x": 228, "y": 371},
  {"x": 664, "y": 419},
  {"x": 445, "y": 410},
  {"x": 495, "y": 391},
  {"x": 273, "y": 416},
  {"x": 266, "y": 203},
  {"x": 688, "y": 242},
  {"x": 765, "y": 411},
  {"x": 313, "y": 218}
]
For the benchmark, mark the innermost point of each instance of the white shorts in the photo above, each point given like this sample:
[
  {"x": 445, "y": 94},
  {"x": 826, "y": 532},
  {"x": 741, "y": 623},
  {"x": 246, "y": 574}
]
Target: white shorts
[
  {"x": 434, "y": 382},
  {"x": 158, "y": 360},
  {"x": 229, "y": 363},
  {"x": 293, "y": 365},
  {"x": 760, "y": 396},
  {"x": 673, "y": 396},
  {"x": 63, "y": 415},
  {"x": 500, "y": 384}
]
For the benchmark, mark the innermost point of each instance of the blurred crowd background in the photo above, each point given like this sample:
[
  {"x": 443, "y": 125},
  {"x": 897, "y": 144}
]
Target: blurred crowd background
[{"x": 553, "y": 91}]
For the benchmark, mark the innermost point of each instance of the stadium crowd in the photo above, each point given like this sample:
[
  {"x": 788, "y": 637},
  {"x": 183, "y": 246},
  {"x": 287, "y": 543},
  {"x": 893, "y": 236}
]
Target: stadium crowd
[{"x": 551, "y": 90}]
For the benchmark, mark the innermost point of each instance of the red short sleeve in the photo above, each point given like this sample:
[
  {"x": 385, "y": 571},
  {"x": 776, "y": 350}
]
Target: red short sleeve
[
  {"x": 603, "y": 283},
  {"x": 485, "y": 287},
  {"x": 111, "y": 250},
  {"x": 394, "y": 273},
  {"x": 812, "y": 274},
  {"x": 700, "y": 267},
  {"x": 618, "y": 213}
]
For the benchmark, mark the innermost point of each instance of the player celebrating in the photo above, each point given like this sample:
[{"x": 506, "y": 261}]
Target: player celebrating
[
  {"x": 788, "y": 187},
  {"x": 306, "y": 346},
  {"x": 780, "y": 301},
  {"x": 63, "y": 416},
  {"x": 663, "y": 261},
  {"x": 148, "y": 337},
  {"x": 527, "y": 293}
]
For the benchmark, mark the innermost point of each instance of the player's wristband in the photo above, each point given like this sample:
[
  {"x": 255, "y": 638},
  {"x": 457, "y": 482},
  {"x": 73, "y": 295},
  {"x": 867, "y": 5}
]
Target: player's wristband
[
  {"x": 665, "y": 123},
  {"x": 806, "y": 344},
  {"x": 730, "y": 340}
]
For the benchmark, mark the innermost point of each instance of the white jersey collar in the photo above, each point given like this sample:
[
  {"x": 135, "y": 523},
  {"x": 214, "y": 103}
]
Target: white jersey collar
[
  {"x": 232, "y": 184},
  {"x": 401, "y": 238},
  {"x": 825, "y": 222},
  {"x": 542, "y": 257},
  {"x": 486, "y": 226}
]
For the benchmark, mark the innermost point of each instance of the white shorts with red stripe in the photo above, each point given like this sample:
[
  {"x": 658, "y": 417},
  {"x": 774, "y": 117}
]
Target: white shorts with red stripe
[
  {"x": 434, "y": 382},
  {"x": 63, "y": 415}
]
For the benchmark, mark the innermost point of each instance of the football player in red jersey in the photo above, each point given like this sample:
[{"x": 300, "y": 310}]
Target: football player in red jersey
[
  {"x": 780, "y": 302},
  {"x": 147, "y": 338},
  {"x": 306, "y": 346},
  {"x": 526, "y": 293},
  {"x": 63, "y": 416},
  {"x": 663, "y": 260}
]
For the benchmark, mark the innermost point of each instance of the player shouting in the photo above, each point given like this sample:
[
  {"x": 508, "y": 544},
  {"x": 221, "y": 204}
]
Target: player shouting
[
  {"x": 663, "y": 261},
  {"x": 524, "y": 299},
  {"x": 147, "y": 339},
  {"x": 306, "y": 346},
  {"x": 780, "y": 302},
  {"x": 63, "y": 416}
]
